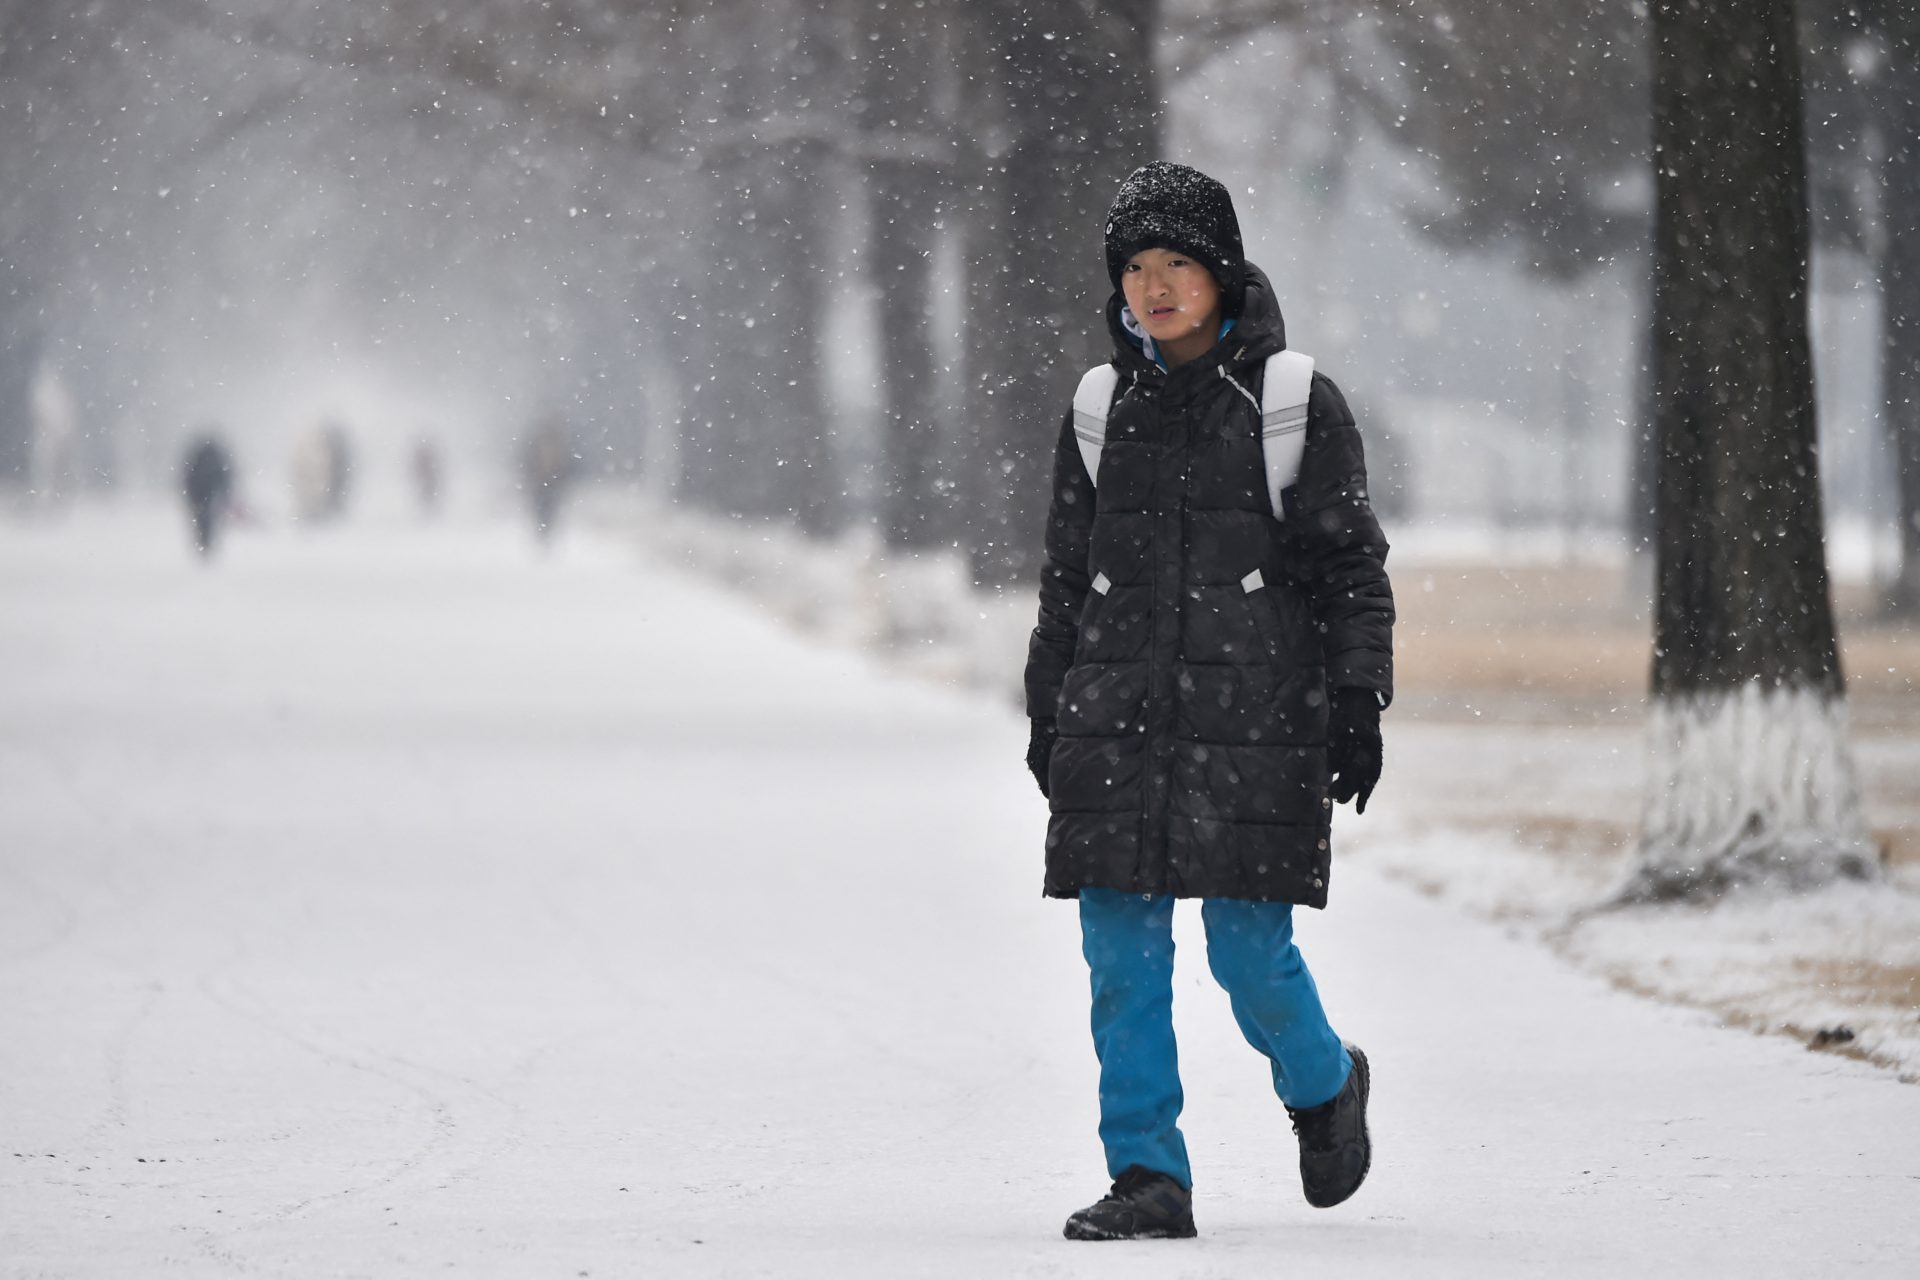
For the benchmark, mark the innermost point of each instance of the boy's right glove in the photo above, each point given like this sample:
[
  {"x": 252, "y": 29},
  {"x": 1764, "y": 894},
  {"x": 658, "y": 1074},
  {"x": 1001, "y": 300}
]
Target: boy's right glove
[
  {"x": 1353, "y": 746},
  {"x": 1040, "y": 751}
]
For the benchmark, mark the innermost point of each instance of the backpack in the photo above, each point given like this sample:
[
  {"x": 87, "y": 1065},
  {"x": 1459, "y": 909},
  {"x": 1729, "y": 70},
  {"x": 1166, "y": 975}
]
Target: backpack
[{"x": 1283, "y": 417}]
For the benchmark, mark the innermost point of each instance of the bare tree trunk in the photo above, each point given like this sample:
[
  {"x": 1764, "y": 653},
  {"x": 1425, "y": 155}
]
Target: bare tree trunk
[
  {"x": 758, "y": 430},
  {"x": 696, "y": 349},
  {"x": 1643, "y": 475},
  {"x": 905, "y": 203},
  {"x": 757, "y": 442},
  {"x": 1751, "y": 778},
  {"x": 993, "y": 357},
  {"x": 1082, "y": 113},
  {"x": 19, "y": 359},
  {"x": 1900, "y": 287},
  {"x": 904, "y": 180},
  {"x": 43, "y": 54},
  {"x": 808, "y": 482},
  {"x": 703, "y": 330}
]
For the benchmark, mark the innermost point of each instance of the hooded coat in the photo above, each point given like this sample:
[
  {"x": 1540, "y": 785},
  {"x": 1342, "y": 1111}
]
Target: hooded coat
[{"x": 1189, "y": 640}]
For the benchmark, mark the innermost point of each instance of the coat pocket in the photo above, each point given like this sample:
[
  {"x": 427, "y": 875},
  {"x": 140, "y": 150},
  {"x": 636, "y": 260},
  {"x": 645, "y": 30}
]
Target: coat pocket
[
  {"x": 1098, "y": 593},
  {"x": 1103, "y": 700},
  {"x": 1259, "y": 601}
]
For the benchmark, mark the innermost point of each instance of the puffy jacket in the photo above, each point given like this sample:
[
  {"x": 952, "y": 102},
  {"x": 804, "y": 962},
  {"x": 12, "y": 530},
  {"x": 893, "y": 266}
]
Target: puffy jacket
[{"x": 1188, "y": 639}]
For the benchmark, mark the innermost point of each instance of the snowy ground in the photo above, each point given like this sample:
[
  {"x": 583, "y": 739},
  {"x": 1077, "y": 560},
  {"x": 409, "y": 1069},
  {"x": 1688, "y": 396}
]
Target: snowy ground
[{"x": 388, "y": 901}]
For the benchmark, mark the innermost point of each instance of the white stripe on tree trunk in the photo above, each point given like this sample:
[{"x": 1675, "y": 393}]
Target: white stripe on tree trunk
[{"x": 1748, "y": 786}]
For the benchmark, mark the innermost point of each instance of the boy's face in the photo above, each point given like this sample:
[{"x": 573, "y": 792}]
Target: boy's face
[{"x": 1173, "y": 296}]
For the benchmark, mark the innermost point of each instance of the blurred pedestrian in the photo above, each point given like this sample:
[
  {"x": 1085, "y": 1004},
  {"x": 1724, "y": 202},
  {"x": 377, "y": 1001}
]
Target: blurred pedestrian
[
  {"x": 1213, "y": 653},
  {"x": 53, "y": 455},
  {"x": 424, "y": 463},
  {"x": 547, "y": 469},
  {"x": 207, "y": 482}
]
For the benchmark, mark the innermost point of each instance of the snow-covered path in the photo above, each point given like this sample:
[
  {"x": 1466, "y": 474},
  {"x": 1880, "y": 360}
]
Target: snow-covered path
[{"x": 390, "y": 902}]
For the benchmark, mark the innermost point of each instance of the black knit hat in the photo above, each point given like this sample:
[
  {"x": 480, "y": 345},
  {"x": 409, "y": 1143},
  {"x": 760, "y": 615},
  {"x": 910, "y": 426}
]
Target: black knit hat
[{"x": 1169, "y": 206}]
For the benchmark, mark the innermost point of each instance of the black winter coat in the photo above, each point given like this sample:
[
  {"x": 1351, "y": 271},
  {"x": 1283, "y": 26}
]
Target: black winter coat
[{"x": 1191, "y": 696}]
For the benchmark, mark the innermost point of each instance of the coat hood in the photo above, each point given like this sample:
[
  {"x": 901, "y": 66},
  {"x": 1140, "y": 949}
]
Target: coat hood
[
  {"x": 1174, "y": 207},
  {"x": 1259, "y": 331}
]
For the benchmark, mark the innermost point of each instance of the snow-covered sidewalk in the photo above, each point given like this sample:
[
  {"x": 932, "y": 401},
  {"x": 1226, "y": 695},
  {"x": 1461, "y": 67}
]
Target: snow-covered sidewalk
[{"x": 390, "y": 901}]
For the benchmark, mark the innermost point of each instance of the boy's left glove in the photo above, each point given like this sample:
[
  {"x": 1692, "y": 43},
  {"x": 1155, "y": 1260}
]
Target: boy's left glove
[
  {"x": 1040, "y": 752},
  {"x": 1353, "y": 746}
]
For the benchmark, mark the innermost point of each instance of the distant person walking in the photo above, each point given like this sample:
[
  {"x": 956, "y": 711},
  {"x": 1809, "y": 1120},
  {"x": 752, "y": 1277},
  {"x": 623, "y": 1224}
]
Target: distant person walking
[
  {"x": 1213, "y": 652},
  {"x": 207, "y": 482},
  {"x": 547, "y": 469},
  {"x": 427, "y": 475}
]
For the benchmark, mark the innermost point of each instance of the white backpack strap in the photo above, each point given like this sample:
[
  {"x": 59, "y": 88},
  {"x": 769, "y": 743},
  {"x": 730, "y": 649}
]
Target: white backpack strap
[
  {"x": 1090, "y": 405},
  {"x": 1285, "y": 389}
]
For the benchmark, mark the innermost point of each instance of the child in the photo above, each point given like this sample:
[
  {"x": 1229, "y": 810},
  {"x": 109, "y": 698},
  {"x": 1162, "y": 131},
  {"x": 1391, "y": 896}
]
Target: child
[{"x": 1205, "y": 681}]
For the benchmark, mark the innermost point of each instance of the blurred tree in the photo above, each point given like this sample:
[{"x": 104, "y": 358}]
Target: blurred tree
[
  {"x": 1897, "y": 23},
  {"x": 908, "y": 108},
  {"x": 92, "y": 170},
  {"x": 1751, "y": 777},
  {"x": 1534, "y": 119},
  {"x": 1531, "y": 120},
  {"x": 1077, "y": 111},
  {"x": 676, "y": 106},
  {"x": 698, "y": 156},
  {"x": 762, "y": 153},
  {"x": 25, "y": 40},
  {"x": 48, "y": 58},
  {"x": 1864, "y": 98}
]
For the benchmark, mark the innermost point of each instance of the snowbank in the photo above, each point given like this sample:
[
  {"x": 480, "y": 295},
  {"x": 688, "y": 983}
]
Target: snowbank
[
  {"x": 919, "y": 612},
  {"x": 1838, "y": 968}
]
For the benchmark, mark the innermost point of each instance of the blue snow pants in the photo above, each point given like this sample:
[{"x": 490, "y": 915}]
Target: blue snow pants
[{"x": 1128, "y": 942}]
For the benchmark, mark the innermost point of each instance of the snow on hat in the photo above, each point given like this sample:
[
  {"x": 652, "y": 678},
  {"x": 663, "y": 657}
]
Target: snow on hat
[{"x": 1169, "y": 206}]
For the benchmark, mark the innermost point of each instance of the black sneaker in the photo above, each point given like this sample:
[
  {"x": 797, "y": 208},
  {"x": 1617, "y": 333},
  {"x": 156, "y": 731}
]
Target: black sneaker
[
  {"x": 1335, "y": 1151},
  {"x": 1143, "y": 1205}
]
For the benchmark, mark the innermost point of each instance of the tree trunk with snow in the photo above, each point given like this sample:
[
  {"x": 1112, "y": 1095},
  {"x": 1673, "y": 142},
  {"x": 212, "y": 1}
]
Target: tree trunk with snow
[{"x": 1751, "y": 780}]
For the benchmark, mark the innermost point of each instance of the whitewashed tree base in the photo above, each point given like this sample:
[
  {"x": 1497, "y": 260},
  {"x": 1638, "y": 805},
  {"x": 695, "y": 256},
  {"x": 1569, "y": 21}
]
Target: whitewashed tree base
[{"x": 1748, "y": 786}]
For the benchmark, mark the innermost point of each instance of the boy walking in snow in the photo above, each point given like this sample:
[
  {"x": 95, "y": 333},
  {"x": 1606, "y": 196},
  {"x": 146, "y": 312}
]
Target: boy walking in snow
[{"x": 1206, "y": 680}]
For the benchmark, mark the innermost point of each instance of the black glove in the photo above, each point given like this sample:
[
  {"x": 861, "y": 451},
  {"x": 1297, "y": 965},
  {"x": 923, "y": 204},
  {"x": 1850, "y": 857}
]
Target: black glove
[
  {"x": 1040, "y": 751},
  {"x": 1353, "y": 746}
]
